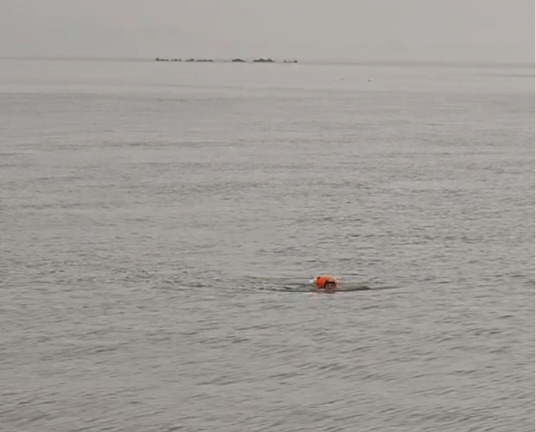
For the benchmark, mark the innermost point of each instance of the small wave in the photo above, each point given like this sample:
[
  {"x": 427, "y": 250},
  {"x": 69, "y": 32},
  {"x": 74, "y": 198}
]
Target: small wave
[{"x": 299, "y": 288}]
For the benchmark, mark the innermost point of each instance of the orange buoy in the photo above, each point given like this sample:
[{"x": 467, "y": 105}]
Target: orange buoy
[{"x": 326, "y": 281}]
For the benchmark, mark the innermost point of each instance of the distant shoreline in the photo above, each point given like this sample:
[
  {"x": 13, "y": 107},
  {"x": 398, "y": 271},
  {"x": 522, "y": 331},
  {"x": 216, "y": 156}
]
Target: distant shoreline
[
  {"x": 308, "y": 61},
  {"x": 235, "y": 60}
]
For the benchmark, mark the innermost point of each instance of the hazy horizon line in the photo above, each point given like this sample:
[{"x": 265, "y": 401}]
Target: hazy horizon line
[{"x": 340, "y": 61}]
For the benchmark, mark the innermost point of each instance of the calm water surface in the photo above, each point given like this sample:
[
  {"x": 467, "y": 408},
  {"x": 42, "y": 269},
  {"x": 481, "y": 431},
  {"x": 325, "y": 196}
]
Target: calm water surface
[{"x": 152, "y": 214}]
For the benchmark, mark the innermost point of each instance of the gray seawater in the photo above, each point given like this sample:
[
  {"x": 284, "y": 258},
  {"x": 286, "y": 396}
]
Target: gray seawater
[{"x": 153, "y": 216}]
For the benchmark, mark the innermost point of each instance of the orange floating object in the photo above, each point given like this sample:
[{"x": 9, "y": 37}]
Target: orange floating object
[{"x": 326, "y": 281}]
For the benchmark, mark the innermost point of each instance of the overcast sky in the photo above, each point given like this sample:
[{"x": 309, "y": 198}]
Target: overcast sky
[{"x": 473, "y": 30}]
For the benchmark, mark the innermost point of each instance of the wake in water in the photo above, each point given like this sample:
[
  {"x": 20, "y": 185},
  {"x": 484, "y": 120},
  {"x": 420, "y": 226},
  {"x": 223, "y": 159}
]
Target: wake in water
[{"x": 301, "y": 287}]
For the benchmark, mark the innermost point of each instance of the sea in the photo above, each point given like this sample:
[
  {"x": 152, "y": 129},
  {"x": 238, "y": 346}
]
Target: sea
[{"x": 160, "y": 221}]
